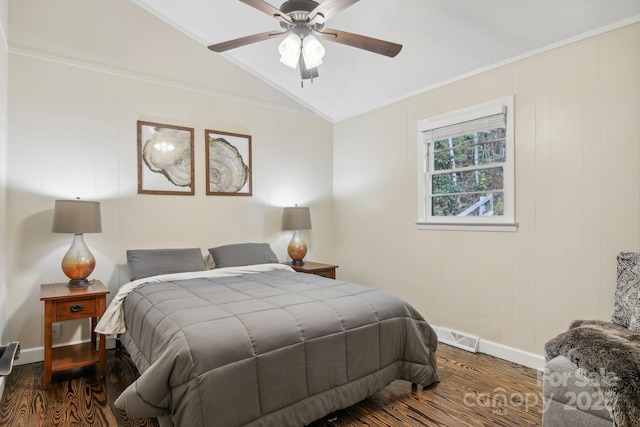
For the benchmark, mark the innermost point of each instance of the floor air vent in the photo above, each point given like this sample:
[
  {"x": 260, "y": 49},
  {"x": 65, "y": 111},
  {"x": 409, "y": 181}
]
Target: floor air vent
[{"x": 458, "y": 339}]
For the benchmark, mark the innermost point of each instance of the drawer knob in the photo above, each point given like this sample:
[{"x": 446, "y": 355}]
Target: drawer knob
[{"x": 77, "y": 308}]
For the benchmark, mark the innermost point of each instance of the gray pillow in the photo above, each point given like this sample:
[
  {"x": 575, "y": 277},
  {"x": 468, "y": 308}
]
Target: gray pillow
[
  {"x": 151, "y": 262},
  {"x": 626, "y": 308},
  {"x": 243, "y": 254}
]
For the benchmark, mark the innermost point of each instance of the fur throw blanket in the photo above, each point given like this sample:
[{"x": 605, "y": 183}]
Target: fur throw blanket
[{"x": 608, "y": 355}]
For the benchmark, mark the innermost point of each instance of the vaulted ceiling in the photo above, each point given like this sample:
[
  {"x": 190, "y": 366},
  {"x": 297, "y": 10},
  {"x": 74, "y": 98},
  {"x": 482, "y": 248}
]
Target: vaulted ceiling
[{"x": 443, "y": 40}]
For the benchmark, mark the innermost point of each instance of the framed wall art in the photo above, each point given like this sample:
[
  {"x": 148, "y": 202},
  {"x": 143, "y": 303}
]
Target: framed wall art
[
  {"x": 165, "y": 159},
  {"x": 228, "y": 163}
]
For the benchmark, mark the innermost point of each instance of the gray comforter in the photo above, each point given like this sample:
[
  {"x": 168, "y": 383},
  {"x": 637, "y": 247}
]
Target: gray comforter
[{"x": 267, "y": 349}]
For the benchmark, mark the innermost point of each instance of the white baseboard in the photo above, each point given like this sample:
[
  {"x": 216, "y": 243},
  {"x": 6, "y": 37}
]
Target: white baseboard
[
  {"x": 30, "y": 355},
  {"x": 511, "y": 354},
  {"x": 507, "y": 353},
  {"x": 33, "y": 355}
]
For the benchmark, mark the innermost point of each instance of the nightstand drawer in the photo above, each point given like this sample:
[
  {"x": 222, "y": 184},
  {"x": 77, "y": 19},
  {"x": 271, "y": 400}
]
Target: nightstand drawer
[
  {"x": 76, "y": 309},
  {"x": 329, "y": 274}
]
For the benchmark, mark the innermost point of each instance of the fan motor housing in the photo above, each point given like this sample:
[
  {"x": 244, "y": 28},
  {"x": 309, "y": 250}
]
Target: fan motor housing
[
  {"x": 301, "y": 6},
  {"x": 299, "y": 11}
]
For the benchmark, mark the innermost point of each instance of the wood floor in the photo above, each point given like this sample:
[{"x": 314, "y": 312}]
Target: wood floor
[{"x": 475, "y": 390}]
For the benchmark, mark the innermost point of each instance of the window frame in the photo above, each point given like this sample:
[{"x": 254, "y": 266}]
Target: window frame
[{"x": 426, "y": 220}]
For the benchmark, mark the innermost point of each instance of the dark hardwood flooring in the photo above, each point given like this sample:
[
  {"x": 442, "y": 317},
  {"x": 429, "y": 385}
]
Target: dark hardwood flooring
[{"x": 475, "y": 390}]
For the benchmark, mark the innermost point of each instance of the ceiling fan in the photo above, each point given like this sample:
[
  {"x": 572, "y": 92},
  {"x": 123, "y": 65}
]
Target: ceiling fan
[{"x": 302, "y": 19}]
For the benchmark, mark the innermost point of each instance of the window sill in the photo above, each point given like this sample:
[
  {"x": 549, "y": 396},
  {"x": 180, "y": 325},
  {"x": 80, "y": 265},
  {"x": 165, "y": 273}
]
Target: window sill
[{"x": 512, "y": 227}]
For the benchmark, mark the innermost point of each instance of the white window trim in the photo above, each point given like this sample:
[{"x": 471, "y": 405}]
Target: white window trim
[{"x": 505, "y": 222}]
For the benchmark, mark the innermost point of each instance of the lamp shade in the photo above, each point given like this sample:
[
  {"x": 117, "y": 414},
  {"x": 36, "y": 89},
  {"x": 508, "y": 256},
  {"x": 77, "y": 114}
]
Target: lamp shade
[
  {"x": 77, "y": 216},
  {"x": 296, "y": 218}
]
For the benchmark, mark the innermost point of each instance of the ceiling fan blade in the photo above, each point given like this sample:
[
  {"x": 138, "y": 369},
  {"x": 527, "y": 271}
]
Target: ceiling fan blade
[
  {"x": 362, "y": 42},
  {"x": 328, "y": 9},
  {"x": 243, "y": 41},
  {"x": 265, "y": 7}
]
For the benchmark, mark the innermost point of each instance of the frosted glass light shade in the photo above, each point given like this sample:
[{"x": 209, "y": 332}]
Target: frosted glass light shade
[
  {"x": 289, "y": 50},
  {"x": 312, "y": 52}
]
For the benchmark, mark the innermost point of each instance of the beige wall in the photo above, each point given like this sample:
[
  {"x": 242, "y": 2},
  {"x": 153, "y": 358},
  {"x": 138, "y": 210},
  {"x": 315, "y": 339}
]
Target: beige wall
[
  {"x": 4, "y": 16},
  {"x": 577, "y": 135},
  {"x": 81, "y": 74},
  {"x": 4, "y": 60}
]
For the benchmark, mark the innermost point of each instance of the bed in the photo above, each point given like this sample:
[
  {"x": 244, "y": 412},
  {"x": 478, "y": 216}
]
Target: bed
[{"x": 251, "y": 342}]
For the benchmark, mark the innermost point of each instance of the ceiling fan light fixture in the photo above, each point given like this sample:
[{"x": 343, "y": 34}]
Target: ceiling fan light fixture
[
  {"x": 289, "y": 50},
  {"x": 312, "y": 51},
  {"x": 299, "y": 19}
]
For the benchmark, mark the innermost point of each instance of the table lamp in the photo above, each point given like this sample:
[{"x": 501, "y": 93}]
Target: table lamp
[
  {"x": 296, "y": 219},
  {"x": 77, "y": 217}
]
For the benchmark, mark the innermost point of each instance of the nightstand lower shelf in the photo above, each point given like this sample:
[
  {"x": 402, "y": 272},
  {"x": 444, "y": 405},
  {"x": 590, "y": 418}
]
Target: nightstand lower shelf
[{"x": 74, "y": 356}]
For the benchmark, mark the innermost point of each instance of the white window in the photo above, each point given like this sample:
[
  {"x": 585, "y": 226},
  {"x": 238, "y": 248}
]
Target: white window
[{"x": 466, "y": 169}]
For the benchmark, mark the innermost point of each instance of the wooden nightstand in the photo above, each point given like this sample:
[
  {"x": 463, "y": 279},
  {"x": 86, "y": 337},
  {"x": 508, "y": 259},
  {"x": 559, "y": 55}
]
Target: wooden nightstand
[
  {"x": 325, "y": 270},
  {"x": 64, "y": 303}
]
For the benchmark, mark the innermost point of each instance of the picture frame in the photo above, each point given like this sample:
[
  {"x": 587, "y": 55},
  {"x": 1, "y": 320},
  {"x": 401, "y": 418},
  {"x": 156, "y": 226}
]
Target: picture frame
[
  {"x": 228, "y": 163},
  {"x": 165, "y": 159}
]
